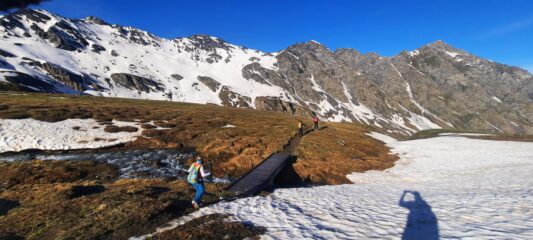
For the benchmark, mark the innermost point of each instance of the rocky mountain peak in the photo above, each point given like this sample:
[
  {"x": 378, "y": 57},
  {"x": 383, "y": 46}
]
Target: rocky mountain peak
[
  {"x": 441, "y": 46},
  {"x": 308, "y": 47},
  {"x": 208, "y": 40},
  {"x": 95, "y": 20}
]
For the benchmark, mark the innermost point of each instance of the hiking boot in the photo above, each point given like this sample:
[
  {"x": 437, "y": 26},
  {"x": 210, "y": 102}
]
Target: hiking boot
[{"x": 195, "y": 205}]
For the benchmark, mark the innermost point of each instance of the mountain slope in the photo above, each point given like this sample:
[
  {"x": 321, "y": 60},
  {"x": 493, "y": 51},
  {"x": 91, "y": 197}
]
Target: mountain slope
[{"x": 432, "y": 87}]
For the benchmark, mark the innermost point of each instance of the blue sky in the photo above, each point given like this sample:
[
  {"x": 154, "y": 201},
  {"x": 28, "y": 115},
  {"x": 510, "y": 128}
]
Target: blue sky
[{"x": 500, "y": 30}]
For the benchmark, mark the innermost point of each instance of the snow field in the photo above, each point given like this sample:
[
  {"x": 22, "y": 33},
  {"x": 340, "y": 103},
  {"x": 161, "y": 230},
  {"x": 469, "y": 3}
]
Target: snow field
[
  {"x": 22, "y": 134},
  {"x": 476, "y": 189}
]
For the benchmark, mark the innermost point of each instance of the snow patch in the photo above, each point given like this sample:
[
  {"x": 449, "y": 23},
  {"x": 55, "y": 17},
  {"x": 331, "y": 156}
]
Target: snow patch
[
  {"x": 496, "y": 99},
  {"x": 22, "y": 134},
  {"x": 467, "y": 188},
  {"x": 452, "y": 54}
]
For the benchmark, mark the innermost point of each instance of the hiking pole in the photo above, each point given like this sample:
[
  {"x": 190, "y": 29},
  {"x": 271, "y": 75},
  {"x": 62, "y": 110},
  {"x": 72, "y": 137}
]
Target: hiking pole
[{"x": 213, "y": 179}]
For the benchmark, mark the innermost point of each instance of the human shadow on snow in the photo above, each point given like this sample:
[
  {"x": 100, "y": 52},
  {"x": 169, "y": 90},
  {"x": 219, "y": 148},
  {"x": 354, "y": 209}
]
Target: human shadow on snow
[{"x": 421, "y": 222}]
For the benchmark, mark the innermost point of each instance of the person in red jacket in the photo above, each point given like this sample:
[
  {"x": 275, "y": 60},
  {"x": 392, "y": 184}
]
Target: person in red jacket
[{"x": 315, "y": 123}]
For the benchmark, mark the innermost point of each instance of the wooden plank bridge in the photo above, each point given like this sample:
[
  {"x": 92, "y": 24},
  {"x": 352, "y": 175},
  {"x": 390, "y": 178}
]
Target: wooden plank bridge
[{"x": 262, "y": 176}]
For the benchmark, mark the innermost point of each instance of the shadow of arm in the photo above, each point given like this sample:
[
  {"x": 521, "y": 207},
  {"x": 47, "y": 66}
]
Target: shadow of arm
[{"x": 402, "y": 202}]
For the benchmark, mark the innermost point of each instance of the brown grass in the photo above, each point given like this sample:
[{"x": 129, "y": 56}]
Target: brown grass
[
  {"x": 115, "y": 129},
  {"x": 77, "y": 207},
  {"x": 232, "y": 151},
  {"x": 212, "y": 227},
  {"x": 328, "y": 155},
  {"x": 39, "y": 172}
]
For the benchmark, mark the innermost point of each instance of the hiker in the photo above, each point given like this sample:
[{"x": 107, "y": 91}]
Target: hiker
[
  {"x": 196, "y": 175},
  {"x": 300, "y": 128},
  {"x": 315, "y": 122}
]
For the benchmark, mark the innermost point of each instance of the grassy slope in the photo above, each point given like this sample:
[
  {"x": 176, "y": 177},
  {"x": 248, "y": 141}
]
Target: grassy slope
[
  {"x": 328, "y": 155},
  {"x": 232, "y": 151}
]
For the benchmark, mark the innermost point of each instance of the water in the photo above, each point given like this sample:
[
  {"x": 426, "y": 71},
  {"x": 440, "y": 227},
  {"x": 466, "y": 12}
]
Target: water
[{"x": 161, "y": 163}]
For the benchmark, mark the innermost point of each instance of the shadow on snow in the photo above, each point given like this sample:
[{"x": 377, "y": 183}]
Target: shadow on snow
[{"x": 421, "y": 222}]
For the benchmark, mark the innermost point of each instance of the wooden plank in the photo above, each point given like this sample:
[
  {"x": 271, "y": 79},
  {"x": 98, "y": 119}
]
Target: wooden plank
[{"x": 261, "y": 175}]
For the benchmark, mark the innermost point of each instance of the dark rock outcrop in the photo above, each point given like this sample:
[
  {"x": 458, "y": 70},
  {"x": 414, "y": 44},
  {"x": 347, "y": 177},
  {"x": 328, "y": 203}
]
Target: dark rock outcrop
[
  {"x": 212, "y": 84},
  {"x": 176, "y": 76},
  {"x": 65, "y": 37},
  {"x": 233, "y": 99},
  {"x": 75, "y": 81},
  {"x": 208, "y": 43},
  {"x": 18, "y": 81},
  {"x": 5, "y": 53},
  {"x": 114, "y": 53},
  {"x": 274, "y": 104},
  {"x": 97, "y": 48},
  {"x": 96, "y": 20},
  {"x": 136, "y": 82}
]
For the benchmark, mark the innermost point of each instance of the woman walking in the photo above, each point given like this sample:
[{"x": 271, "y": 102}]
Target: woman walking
[{"x": 196, "y": 178}]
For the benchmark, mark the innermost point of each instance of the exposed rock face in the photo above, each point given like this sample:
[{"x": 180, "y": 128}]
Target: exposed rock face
[
  {"x": 442, "y": 84},
  {"x": 257, "y": 73},
  {"x": 233, "y": 99},
  {"x": 97, "y": 48},
  {"x": 176, "y": 76},
  {"x": 5, "y": 53},
  {"x": 208, "y": 43},
  {"x": 114, "y": 53},
  {"x": 18, "y": 81},
  {"x": 212, "y": 84},
  {"x": 435, "y": 86},
  {"x": 77, "y": 82},
  {"x": 135, "y": 82},
  {"x": 63, "y": 36},
  {"x": 274, "y": 104},
  {"x": 96, "y": 20}
]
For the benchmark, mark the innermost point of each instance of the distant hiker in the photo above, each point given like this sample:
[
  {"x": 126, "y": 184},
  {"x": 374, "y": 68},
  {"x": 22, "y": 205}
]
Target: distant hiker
[
  {"x": 196, "y": 175},
  {"x": 315, "y": 123},
  {"x": 300, "y": 128}
]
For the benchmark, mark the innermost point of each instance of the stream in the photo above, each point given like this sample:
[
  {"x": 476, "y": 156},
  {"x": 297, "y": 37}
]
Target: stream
[{"x": 153, "y": 163}]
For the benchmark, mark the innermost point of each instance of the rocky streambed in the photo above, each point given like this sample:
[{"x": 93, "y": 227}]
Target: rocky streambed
[{"x": 139, "y": 163}]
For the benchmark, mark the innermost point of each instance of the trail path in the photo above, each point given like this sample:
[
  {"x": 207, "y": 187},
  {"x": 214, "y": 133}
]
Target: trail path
[{"x": 262, "y": 175}]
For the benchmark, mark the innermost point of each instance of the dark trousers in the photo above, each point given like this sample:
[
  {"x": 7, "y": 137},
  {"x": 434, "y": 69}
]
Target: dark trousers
[{"x": 315, "y": 126}]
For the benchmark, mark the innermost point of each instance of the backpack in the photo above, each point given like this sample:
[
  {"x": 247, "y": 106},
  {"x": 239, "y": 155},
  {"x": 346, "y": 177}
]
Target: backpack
[{"x": 192, "y": 178}]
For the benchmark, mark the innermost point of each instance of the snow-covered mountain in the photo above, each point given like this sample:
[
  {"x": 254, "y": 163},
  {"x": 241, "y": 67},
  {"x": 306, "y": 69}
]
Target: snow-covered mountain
[{"x": 431, "y": 87}]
